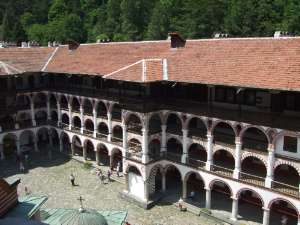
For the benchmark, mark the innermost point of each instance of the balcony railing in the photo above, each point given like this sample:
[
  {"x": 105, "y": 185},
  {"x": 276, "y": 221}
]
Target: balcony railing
[
  {"x": 173, "y": 157},
  {"x": 253, "y": 179},
  {"x": 285, "y": 188},
  {"x": 222, "y": 170},
  {"x": 197, "y": 163}
]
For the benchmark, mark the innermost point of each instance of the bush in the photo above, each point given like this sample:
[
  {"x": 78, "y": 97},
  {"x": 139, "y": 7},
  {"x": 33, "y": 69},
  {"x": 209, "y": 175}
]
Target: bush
[{"x": 87, "y": 165}]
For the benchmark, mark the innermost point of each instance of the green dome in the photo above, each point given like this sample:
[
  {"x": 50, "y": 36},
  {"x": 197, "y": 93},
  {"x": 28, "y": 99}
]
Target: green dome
[{"x": 83, "y": 217}]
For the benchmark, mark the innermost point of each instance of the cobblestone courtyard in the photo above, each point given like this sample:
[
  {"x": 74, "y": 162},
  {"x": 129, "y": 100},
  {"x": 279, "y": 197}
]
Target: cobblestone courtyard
[{"x": 51, "y": 178}]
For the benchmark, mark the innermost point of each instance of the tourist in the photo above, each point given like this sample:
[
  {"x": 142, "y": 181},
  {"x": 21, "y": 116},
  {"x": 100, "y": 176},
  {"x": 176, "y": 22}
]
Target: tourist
[
  {"x": 22, "y": 167},
  {"x": 72, "y": 179},
  {"x": 118, "y": 168},
  {"x": 284, "y": 220},
  {"x": 192, "y": 196},
  {"x": 109, "y": 175}
]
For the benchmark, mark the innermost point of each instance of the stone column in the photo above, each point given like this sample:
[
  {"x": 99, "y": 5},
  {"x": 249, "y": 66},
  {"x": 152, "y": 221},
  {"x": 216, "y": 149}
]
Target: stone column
[
  {"x": 48, "y": 108},
  {"x": 72, "y": 149},
  {"x": 163, "y": 138},
  {"x": 126, "y": 183},
  {"x": 207, "y": 198},
  {"x": 61, "y": 145},
  {"x": 97, "y": 158},
  {"x": 36, "y": 148},
  {"x": 2, "y": 156},
  {"x": 124, "y": 127},
  {"x": 235, "y": 205},
  {"x": 270, "y": 168},
  {"x": 109, "y": 119},
  {"x": 146, "y": 191},
  {"x": 18, "y": 144},
  {"x": 298, "y": 221},
  {"x": 95, "y": 122},
  {"x": 266, "y": 217},
  {"x": 184, "y": 146},
  {"x": 163, "y": 181},
  {"x": 184, "y": 190},
  {"x": 58, "y": 113},
  {"x": 70, "y": 116},
  {"x": 238, "y": 149},
  {"x": 145, "y": 147},
  {"x": 84, "y": 153},
  {"x": 32, "y": 113},
  {"x": 81, "y": 118},
  {"x": 209, "y": 151}
]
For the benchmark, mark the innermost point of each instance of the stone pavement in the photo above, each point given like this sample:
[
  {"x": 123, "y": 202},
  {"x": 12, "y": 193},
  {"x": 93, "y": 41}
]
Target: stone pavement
[{"x": 51, "y": 178}]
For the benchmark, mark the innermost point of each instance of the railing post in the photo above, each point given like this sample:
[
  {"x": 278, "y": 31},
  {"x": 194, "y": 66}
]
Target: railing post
[
  {"x": 237, "y": 167},
  {"x": 209, "y": 151},
  {"x": 270, "y": 168}
]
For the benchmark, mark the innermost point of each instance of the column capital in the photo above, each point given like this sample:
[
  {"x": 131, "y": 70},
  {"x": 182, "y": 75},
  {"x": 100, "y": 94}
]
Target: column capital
[
  {"x": 207, "y": 188},
  {"x": 234, "y": 198},
  {"x": 238, "y": 140},
  {"x": 209, "y": 135},
  {"x": 271, "y": 148},
  {"x": 266, "y": 209}
]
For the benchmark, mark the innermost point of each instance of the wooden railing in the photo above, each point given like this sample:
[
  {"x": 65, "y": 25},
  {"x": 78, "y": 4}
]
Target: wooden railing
[
  {"x": 285, "y": 188},
  {"x": 253, "y": 179}
]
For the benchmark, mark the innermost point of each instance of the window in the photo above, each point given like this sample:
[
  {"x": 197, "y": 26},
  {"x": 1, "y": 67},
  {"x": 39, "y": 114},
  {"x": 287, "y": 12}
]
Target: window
[
  {"x": 290, "y": 144},
  {"x": 250, "y": 97},
  {"x": 226, "y": 95}
]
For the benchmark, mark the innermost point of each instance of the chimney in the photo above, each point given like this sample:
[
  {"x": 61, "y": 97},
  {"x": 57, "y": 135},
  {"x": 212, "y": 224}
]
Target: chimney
[
  {"x": 221, "y": 35},
  {"x": 73, "y": 45},
  {"x": 281, "y": 34},
  {"x": 24, "y": 44},
  {"x": 176, "y": 40}
]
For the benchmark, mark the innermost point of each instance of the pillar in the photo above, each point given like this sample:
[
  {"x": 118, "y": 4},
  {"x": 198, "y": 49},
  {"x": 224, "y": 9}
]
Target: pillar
[
  {"x": 48, "y": 108},
  {"x": 109, "y": 117},
  {"x": 234, "y": 211},
  {"x": 2, "y": 156},
  {"x": 266, "y": 217},
  {"x": 124, "y": 127},
  {"x": 72, "y": 149},
  {"x": 163, "y": 138},
  {"x": 58, "y": 113},
  {"x": 184, "y": 146},
  {"x": 145, "y": 147},
  {"x": 163, "y": 181},
  {"x": 97, "y": 158},
  {"x": 209, "y": 151},
  {"x": 50, "y": 140},
  {"x": 126, "y": 183},
  {"x": 298, "y": 221},
  {"x": 208, "y": 198},
  {"x": 237, "y": 166},
  {"x": 95, "y": 122},
  {"x": 270, "y": 168},
  {"x": 81, "y": 118},
  {"x": 18, "y": 147},
  {"x": 36, "y": 148},
  {"x": 32, "y": 113},
  {"x": 61, "y": 145},
  {"x": 84, "y": 153},
  {"x": 184, "y": 190},
  {"x": 146, "y": 191},
  {"x": 70, "y": 116}
]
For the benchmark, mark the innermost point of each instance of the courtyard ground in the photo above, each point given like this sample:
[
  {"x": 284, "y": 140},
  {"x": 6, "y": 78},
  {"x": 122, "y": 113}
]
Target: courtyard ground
[{"x": 51, "y": 178}]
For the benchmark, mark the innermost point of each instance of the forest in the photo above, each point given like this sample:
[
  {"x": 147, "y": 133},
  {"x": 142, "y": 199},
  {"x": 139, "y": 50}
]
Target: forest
[{"x": 133, "y": 20}]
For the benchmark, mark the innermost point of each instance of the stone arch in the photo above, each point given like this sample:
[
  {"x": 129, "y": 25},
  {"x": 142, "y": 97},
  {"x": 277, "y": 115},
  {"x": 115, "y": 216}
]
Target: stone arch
[
  {"x": 89, "y": 125},
  {"x": 197, "y": 152},
  {"x": 54, "y": 116},
  {"x": 75, "y": 104},
  {"x": 284, "y": 200},
  {"x": 284, "y": 133},
  {"x": 255, "y": 137},
  {"x": 42, "y": 136},
  {"x": 53, "y": 100},
  {"x": 54, "y": 136},
  {"x": 215, "y": 123},
  {"x": 117, "y": 133},
  {"x": 154, "y": 147},
  {"x": 116, "y": 157},
  {"x": 174, "y": 147},
  {"x": 87, "y": 106},
  {"x": 174, "y": 123},
  {"x": 65, "y": 119},
  {"x": 89, "y": 149},
  {"x": 9, "y": 142},
  {"x": 40, "y": 100},
  {"x": 102, "y": 154},
  {"x": 211, "y": 184},
  {"x": 76, "y": 122},
  {"x": 27, "y": 141},
  {"x": 23, "y": 102},
  {"x": 248, "y": 189},
  {"x": 288, "y": 163},
  {"x": 24, "y": 120},
  {"x": 41, "y": 117},
  {"x": 116, "y": 112},
  {"x": 155, "y": 123},
  {"x": 101, "y": 109},
  {"x": 134, "y": 123},
  {"x": 102, "y": 130},
  {"x": 223, "y": 158},
  {"x": 64, "y": 102},
  {"x": 129, "y": 165},
  {"x": 197, "y": 127},
  {"x": 224, "y": 133},
  {"x": 134, "y": 145},
  {"x": 259, "y": 157},
  {"x": 77, "y": 145}
]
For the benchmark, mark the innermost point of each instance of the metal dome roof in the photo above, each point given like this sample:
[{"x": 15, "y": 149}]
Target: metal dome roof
[{"x": 83, "y": 217}]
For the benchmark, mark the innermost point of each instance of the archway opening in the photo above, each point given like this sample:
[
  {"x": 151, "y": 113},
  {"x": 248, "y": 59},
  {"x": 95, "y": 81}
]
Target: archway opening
[
  {"x": 88, "y": 107},
  {"x": 24, "y": 120},
  {"x": 173, "y": 181},
  {"x": 155, "y": 182},
  {"x": 135, "y": 182},
  {"x": 223, "y": 162},
  {"x": 255, "y": 139},
  {"x": 197, "y": 129},
  {"x": 65, "y": 119},
  {"x": 76, "y": 123},
  {"x": 53, "y": 102},
  {"x": 41, "y": 118},
  {"x": 250, "y": 206},
  {"x": 116, "y": 113},
  {"x": 195, "y": 190},
  {"x": 286, "y": 179},
  {"x": 90, "y": 151},
  {"x": 117, "y": 136},
  {"x": 154, "y": 124},
  {"x": 23, "y": 102},
  {"x": 75, "y": 105},
  {"x": 40, "y": 100},
  {"x": 101, "y": 110},
  {"x": 42, "y": 139},
  {"x": 54, "y": 117},
  {"x": 134, "y": 124},
  {"x": 197, "y": 156},
  {"x": 54, "y": 137},
  {"x": 221, "y": 197},
  {"x": 64, "y": 103},
  {"x": 9, "y": 145},
  {"x": 224, "y": 134},
  {"x": 103, "y": 155},
  {"x": 117, "y": 159},
  {"x": 253, "y": 170},
  {"x": 174, "y": 150},
  {"x": 27, "y": 141},
  {"x": 135, "y": 148},
  {"x": 154, "y": 149},
  {"x": 7, "y": 123},
  {"x": 66, "y": 143},
  {"x": 89, "y": 127},
  {"x": 174, "y": 125},
  {"x": 102, "y": 130},
  {"x": 281, "y": 209},
  {"x": 77, "y": 146}
]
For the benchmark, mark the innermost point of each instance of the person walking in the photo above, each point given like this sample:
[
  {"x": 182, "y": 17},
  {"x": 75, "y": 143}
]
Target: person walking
[
  {"x": 72, "y": 179},
  {"x": 118, "y": 169},
  {"x": 109, "y": 175}
]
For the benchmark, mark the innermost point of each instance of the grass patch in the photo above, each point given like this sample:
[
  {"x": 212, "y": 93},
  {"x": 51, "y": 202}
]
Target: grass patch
[{"x": 87, "y": 165}]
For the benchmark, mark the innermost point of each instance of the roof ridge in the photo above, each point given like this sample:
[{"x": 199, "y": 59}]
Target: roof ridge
[
  {"x": 123, "y": 68},
  {"x": 49, "y": 59}
]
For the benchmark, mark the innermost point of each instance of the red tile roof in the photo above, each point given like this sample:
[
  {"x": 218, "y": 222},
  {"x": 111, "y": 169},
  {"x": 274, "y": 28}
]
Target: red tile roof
[{"x": 267, "y": 63}]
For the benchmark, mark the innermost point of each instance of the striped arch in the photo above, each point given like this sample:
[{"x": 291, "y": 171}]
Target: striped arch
[
  {"x": 170, "y": 165},
  {"x": 166, "y": 115},
  {"x": 231, "y": 151},
  {"x": 127, "y": 115},
  {"x": 284, "y": 200},
  {"x": 195, "y": 143},
  {"x": 245, "y": 128},
  {"x": 174, "y": 137},
  {"x": 288, "y": 163},
  {"x": 230, "y": 123},
  {"x": 203, "y": 120},
  {"x": 187, "y": 175},
  {"x": 251, "y": 154},
  {"x": 210, "y": 185},
  {"x": 248, "y": 189}
]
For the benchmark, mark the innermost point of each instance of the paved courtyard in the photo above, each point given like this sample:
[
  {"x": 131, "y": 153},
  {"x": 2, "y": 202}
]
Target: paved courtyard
[{"x": 51, "y": 178}]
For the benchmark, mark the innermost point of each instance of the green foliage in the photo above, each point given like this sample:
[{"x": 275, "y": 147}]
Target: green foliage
[
  {"x": 87, "y": 165},
  {"x": 122, "y": 20}
]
